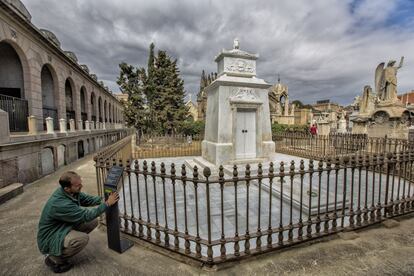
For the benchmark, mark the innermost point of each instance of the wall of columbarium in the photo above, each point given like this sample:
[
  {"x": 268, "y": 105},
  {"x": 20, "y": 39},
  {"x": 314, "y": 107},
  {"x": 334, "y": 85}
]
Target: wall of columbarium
[{"x": 34, "y": 54}]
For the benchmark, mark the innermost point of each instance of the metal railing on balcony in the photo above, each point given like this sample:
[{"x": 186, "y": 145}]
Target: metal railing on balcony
[
  {"x": 323, "y": 146},
  {"x": 253, "y": 210},
  {"x": 18, "y": 111}
]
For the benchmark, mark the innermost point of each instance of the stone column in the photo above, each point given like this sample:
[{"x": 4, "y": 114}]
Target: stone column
[
  {"x": 87, "y": 125},
  {"x": 286, "y": 111},
  {"x": 62, "y": 101},
  {"x": 103, "y": 126},
  {"x": 92, "y": 125},
  {"x": 62, "y": 125},
  {"x": 97, "y": 109},
  {"x": 77, "y": 103},
  {"x": 88, "y": 106},
  {"x": 72, "y": 125},
  {"x": 33, "y": 94},
  {"x": 32, "y": 121},
  {"x": 49, "y": 125}
]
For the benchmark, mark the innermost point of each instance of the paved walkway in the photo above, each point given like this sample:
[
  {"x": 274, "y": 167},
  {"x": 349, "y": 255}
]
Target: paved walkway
[{"x": 374, "y": 251}]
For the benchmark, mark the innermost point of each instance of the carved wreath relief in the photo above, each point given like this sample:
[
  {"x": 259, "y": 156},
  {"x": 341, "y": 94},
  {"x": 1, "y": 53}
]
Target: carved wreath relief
[
  {"x": 240, "y": 65},
  {"x": 381, "y": 117},
  {"x": 245, "y": 94}
]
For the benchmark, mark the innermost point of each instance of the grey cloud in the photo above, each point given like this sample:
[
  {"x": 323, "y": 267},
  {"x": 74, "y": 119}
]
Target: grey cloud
[{"x": 321, "y": 48}]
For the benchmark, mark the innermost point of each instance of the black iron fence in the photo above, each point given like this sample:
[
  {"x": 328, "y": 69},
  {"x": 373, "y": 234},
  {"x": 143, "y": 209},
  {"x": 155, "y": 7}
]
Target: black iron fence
[
  {"x": 167, "y": 146},
  {"x": 324, "y": 146},
  {"x": 18, "y": 111},
  {"x": 244, "y": 211}
]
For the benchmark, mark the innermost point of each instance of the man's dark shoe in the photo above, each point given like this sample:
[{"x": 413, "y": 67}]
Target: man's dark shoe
[{"x": 57, "y": 268}]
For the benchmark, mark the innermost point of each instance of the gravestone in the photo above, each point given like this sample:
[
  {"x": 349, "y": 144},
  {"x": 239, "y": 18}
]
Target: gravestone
[{"x": 238, "y": 126}]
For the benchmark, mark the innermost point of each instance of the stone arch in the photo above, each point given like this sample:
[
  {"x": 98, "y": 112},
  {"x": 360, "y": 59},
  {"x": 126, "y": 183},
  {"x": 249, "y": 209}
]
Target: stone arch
[
  {"x": 14, "y": 68},
  {"x": 14, "y": 84},
  {"x": 50, "y": 95},
  {"x": 87, "y": 143},
  {"x": 83, "y": 105},
  {"x": 92, "y": 145},
  {"x": 61, "y": 155},
  {"x": 47, "y": 160},
  {"x": 70, "y": 100},
  {"x": 81, "y": 149}
]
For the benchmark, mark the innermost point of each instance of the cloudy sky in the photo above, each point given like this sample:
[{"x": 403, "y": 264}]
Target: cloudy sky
[{"x": 322, "y": 49}]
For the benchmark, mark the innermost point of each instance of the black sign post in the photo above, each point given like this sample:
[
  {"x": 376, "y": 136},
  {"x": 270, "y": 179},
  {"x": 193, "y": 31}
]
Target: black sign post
[{"x": 112, "y": 213}]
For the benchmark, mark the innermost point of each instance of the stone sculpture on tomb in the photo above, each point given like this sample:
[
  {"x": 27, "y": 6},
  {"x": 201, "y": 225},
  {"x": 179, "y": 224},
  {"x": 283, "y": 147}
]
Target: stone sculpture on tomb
[
  {"x": 280, "y": 110},
  {"x": 382, "y": 113},
  {"x": 386, "y": 81},
  {"x": 368, "y": 100}
]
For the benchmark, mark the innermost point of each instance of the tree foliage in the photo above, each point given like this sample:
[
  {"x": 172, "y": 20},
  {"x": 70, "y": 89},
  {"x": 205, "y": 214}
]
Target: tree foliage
[
  {"x": 156, "y": 95},
  {"x": 131, "y": 82}
]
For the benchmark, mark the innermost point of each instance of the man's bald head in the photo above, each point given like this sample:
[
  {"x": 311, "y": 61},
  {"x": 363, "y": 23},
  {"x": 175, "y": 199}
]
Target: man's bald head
[{"x": 67, "y": 178}]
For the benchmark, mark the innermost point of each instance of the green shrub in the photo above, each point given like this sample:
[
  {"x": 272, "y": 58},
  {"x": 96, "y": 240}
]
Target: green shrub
[
  {"x": 281, "y": 128},
  {"x": 190, "y": 127}
]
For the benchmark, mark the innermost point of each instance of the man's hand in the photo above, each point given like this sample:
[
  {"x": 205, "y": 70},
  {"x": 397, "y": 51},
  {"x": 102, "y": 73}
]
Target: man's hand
[{"x": 112, "y": 199}]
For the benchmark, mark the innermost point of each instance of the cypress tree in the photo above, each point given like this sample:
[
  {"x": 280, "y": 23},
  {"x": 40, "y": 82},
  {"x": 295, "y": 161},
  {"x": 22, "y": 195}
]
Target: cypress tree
[{"x": 170, "y": 109}]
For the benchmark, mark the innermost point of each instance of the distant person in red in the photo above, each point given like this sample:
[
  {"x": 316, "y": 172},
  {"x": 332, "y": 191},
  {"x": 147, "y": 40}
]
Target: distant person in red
[{"x": 314, "y": 130}]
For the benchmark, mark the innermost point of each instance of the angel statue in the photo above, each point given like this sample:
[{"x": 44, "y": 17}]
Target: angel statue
[{"x": 386, "y": 80}]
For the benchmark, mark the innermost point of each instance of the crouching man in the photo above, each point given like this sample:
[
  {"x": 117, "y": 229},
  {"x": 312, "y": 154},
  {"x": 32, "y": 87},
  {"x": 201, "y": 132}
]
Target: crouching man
[{"x": 65, "y": 223}]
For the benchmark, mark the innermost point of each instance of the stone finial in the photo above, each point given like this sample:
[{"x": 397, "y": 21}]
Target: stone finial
[{"x": 236, "y": 44}]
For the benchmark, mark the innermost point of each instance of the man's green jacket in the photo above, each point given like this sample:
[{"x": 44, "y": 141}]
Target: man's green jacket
[{"x": 60, "y": 214}]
